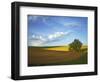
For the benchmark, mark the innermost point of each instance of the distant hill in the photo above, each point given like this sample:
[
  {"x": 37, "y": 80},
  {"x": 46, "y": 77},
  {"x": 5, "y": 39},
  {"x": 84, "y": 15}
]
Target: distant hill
[{"x": 57, "y": 48}]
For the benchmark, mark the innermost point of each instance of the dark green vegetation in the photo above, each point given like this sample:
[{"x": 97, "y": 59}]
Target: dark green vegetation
[
  {"x": 75, "y": 45},
  {"x": 83, "y": 58}
]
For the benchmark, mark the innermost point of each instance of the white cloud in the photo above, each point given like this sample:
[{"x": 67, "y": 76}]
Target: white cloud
[
  {"x": 57, "y": 35},
  {"x": 72, "y": 24},
  {"x": 38, "y": 40},
  {"x": 38, "y": 37},
  {"x": 35, "y": 43}
]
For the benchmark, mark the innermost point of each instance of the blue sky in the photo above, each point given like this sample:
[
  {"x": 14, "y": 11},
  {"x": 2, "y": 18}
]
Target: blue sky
[{"x": 56, "y": 30}]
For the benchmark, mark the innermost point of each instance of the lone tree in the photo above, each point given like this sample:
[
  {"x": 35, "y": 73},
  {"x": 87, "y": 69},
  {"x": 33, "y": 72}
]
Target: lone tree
[{"x": 75, "y": 45}]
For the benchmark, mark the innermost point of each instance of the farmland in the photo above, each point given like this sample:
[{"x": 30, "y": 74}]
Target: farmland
[{"x": 57, "y": 55}]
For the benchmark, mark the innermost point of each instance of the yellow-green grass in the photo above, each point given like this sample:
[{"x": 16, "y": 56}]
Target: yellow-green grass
[
  {"x": 58, "y": 48},
  {"x": 62, "y": 48}
]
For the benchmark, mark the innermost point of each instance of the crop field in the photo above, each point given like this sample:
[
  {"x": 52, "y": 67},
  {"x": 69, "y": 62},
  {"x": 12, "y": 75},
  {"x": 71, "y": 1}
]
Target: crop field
[{"x": 59, "y": 55}]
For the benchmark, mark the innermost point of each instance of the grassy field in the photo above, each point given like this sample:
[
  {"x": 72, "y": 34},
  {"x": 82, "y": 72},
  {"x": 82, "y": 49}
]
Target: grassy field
[
  {"x": 61, "y": 48},
  {"x": 58, "y": 55},
  {"x": 58, "y": 48}
]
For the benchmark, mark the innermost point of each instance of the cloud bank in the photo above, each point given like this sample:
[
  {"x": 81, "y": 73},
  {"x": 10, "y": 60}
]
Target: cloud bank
[{"x": 38, "y": 40}]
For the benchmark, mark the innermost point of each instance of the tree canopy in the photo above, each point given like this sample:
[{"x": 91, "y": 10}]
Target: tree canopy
[{"x": 75, "y": 45}]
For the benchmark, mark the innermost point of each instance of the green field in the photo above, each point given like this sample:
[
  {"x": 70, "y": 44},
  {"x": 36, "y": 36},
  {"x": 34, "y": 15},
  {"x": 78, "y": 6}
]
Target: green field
[{"x": 56, "y": 55}]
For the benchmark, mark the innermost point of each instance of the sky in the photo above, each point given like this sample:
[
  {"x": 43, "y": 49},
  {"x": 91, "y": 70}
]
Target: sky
[{"x": 46, "y": 30}]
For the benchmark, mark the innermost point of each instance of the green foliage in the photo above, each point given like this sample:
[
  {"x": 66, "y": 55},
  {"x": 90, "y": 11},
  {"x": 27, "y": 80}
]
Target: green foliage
[{"x": 75, "y": 45}]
